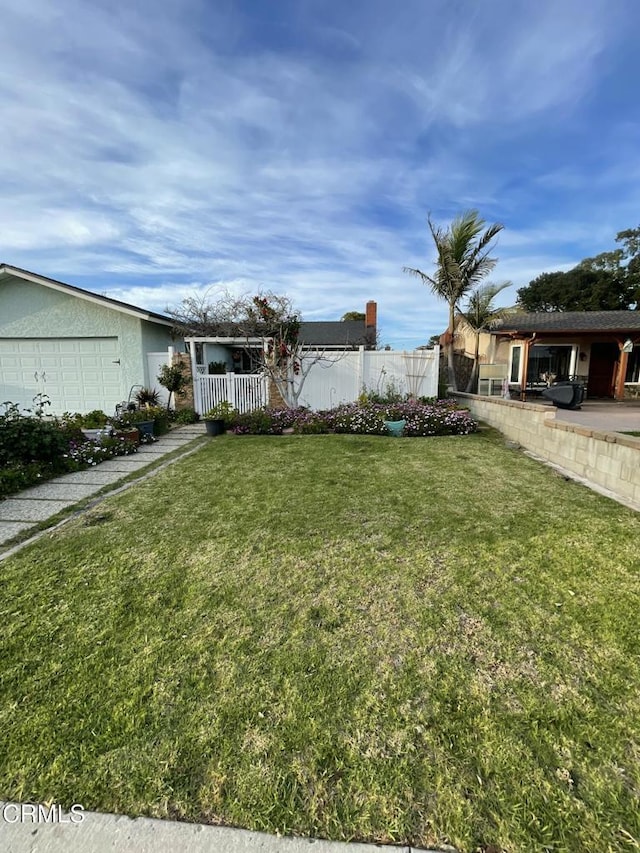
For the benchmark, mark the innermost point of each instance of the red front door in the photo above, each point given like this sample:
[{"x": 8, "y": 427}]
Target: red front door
[{"x": 602, "y": 369}]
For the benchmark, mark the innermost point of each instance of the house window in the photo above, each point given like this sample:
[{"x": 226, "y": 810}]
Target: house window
[
  {"x": 514, "y": 373},
  {"x": 246, "y": 360},
  {"x": 549, "y": 363},
  {"x": 633, "y": 366}
]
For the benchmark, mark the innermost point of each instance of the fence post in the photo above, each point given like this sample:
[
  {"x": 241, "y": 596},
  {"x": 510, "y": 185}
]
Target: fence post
[
  {"x": 231, "y": 389},
  {"x": 361, "y": 371}
]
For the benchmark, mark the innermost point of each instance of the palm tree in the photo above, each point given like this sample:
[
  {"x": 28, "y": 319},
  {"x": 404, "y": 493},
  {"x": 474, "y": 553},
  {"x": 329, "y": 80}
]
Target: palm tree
[
  {"x": 479, "y": 313},
  {"x": 462, "y": 262}
]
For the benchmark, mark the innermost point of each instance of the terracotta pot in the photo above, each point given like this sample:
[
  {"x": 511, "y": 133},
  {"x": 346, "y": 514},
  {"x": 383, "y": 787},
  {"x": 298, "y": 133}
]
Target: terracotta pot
[{"x": 130, "y": 434}]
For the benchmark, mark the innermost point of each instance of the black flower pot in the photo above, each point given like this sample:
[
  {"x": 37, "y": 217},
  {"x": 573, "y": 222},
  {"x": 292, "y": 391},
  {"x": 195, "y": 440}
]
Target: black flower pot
[{"x": 214, "y": 427}]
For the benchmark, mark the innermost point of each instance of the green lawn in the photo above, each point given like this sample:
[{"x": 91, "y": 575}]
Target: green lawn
[{"x": 403, "y": 640}]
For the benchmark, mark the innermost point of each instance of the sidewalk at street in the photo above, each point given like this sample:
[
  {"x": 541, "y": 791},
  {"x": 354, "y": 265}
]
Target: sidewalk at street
[
  {"x": 104, "y": 833},
  {"x": 24, "y": 510}
]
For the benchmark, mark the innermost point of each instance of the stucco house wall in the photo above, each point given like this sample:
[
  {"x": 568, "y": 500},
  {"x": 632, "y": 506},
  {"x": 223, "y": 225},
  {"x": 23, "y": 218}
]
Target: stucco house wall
[{"x": 36, "y": 317}]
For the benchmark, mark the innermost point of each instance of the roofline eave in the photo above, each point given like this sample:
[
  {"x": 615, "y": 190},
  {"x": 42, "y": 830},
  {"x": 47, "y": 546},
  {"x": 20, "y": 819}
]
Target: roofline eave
[{"x": 104, "y": 301}]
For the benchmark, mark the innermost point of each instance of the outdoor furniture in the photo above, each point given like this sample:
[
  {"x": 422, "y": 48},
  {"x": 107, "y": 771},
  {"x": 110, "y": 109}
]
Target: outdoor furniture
[{"x": 565, "y": 395}]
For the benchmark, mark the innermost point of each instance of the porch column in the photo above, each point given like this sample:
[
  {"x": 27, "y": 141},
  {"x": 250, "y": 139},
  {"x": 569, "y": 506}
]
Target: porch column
[
  {"x": 197, "y": 403},
  {"x": 524, "y": 369},
  {"x": 192, "y": 355},
  {"x": 622, "y": 372}
]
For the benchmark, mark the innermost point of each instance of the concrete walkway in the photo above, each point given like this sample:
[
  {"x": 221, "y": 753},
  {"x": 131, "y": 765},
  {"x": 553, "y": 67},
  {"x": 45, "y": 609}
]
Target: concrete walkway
[
  {"x": 102, "y": 833},
  {"x": 23, "y": 511}
]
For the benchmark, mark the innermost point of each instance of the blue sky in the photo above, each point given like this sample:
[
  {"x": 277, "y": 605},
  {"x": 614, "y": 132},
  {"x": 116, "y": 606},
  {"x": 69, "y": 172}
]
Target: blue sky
[{"x": 156, "y": 147}]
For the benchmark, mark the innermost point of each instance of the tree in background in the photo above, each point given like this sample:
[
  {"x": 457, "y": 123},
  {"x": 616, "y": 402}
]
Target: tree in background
[
  {"x": 270, "y": 327},
  {"x": 480, "y": 313},
  {"x": 353, "y": 315},
  {"x": 462, "y": 262},
  {"x": 630, "y": 240},
  {"x": 609, "y": 281}
]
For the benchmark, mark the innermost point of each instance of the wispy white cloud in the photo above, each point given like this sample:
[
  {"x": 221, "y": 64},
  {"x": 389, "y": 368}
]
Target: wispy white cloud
[{"x": 148, "y": 149}]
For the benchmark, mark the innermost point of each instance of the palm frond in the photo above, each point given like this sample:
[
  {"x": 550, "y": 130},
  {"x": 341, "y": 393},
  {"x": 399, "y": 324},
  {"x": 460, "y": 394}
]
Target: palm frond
[
  {"x": 479, "y": 311},
  {"x": 426, "y": 279}
]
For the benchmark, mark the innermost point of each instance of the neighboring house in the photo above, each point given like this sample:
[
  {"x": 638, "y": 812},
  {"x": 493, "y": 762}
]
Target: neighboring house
[
  {"x": 82, "y": 350},
  {"x": 528, "y": 350},
  {"x": 241, "y": 359},
  {"x": 243, "y": 355}
]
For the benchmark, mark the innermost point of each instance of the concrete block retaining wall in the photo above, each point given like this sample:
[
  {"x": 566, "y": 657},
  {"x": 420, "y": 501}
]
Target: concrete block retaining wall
[{"x": 609, "y": 460}]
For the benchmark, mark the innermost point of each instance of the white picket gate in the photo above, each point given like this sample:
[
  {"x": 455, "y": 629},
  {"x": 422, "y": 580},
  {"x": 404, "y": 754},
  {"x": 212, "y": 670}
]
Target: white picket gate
[{"x": 245, "y": 392}]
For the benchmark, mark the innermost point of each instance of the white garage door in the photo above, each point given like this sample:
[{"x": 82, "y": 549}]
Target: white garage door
[{"x": 77, "y": 374}]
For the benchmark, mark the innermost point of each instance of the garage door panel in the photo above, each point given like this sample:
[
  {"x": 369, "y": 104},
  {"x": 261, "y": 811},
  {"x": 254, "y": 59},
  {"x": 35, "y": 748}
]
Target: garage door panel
[
  {"x": 69, "y": 376},
  {"x": 77, "y": 374}
]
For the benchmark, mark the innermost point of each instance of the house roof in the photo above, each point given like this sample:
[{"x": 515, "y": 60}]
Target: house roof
[
  {"x": 329, "y": 333},
  {"x": 320, "y": 333},
  {"x": 125, "y": 307},
  {"x": 569, "y": 321}
]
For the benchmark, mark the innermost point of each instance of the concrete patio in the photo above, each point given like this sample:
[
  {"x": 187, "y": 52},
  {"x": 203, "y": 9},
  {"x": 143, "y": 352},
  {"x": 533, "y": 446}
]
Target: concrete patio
[{"x": 605, "y": 415}]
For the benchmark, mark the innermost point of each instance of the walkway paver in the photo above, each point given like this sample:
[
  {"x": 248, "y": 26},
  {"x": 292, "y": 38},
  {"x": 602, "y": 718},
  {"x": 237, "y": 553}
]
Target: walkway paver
[
  {"x": 39, "y": 503},
  {"x": 9, "y": 529},
  {"x": 152, "y": 450},
  {"x": 60, "y": 491},
  {"x": 90, "y": 477},
  {"x": 31, "y": 509},
  {"x": 127, "y": 464}
]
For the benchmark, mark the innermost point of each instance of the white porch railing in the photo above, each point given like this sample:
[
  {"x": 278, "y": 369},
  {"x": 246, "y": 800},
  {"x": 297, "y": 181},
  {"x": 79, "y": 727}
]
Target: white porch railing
[{"x": 245, "y": 392}]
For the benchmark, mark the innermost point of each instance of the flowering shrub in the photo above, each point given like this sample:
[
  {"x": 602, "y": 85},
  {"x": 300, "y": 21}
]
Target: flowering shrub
[
  {"x": 88, "y": 453},
  {"x": 35, "y": 447},
  {"x": 30, "y": 436},
  {"x": 423, "y": 418},
  {"x": 258, "y": 422}
]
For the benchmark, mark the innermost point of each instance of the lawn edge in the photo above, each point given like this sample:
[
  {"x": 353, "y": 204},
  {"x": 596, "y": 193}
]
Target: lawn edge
[{"x": 17, "y": 543}]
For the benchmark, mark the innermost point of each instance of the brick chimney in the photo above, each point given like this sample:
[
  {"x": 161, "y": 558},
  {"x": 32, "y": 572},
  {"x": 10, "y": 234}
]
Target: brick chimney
[{"x": 371, "y": 315}]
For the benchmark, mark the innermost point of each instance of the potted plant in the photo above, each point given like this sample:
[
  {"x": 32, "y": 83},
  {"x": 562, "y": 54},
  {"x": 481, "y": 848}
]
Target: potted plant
[
  {"x": 394, "y": 422},
  {"x": 95, "y": 425},
  {"x": 140, "y": 419},
  {"x": 395, "y": 428},
  {"x": 219, "y": 418},
  {"x": 217, "y": 367},
  {"x": 173, "y": 378},
  {"x": 148, "y": 397},
  {"x": 129, "y": 433}
]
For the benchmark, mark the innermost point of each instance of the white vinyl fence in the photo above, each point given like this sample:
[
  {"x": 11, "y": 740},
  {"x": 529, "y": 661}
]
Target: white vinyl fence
[
  {"x": 335, "y": 378},
  {"x": 245, "y": 392},
  {"x": 341, "y": 377}
]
